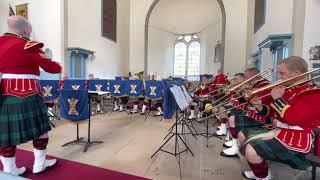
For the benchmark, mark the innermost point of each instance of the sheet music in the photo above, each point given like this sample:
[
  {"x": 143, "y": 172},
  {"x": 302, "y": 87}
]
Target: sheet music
[
  {"x": 186, "y": 94},
  {"x": 179, "y": 97},
  {"x": 100, "y": 93}
]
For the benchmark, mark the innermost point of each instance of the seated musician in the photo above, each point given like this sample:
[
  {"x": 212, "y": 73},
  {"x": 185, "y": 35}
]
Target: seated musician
[
  {"x": 219, "y": 80},
  {"x": 296, "y": 114},
  {"x": 247, "y": 118},
  {"x": 147, "y": 102},
  {"x": 234, "y": 102},
  {"x": 202, "y": 94}
]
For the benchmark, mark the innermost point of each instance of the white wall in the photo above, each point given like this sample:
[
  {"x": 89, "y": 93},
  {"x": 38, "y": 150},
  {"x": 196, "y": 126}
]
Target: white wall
[
  {"x": 209, "y": 38},
  {"x": 236, "y": 35},
  {"x": 278, "y": 21},
  {"x": 45, "y": 17},
  {"x": 311, "y": 27},
  {"x": 161, "y": 52},
  {"x": 84, "y": 30},
  {"x": 236, "y": 31},
  {"x": 138, "y": 12}
]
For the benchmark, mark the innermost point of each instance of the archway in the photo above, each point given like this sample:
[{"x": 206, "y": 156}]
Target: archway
[{"x": 146, "y": 32}]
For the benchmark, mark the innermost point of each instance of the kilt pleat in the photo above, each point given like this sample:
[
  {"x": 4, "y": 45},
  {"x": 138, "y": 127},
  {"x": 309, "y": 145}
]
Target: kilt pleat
[
  {"x": 273, "y": 150},
  {"x": 22, "y": 119}
]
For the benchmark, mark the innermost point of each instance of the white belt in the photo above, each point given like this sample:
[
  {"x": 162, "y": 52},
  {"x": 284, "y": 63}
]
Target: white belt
[
  {"x": 18, "y": 76},
  {"x": 286, "y": 126}
]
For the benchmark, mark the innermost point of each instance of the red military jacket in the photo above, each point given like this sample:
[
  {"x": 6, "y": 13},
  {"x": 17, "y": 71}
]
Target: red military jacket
[
  {"x": 221, "y": 79},
  {"x": 20, "y": 61},
  {"x": 251, "y": 112},
  {"x": 299, "y": 114}
]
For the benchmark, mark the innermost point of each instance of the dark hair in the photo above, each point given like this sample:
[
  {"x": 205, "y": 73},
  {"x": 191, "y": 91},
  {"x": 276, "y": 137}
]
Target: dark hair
[
  {"x": 253, "y": 70},
  {"x": 240, "y": 74},
  {"x": 295, "y": 63}
]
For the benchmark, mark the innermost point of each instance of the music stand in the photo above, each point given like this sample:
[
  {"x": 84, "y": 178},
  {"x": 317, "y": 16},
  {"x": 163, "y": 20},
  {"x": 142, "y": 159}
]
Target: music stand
[
  {"x": 79, "y": 140},
  {"x": 179, "y": 97}
]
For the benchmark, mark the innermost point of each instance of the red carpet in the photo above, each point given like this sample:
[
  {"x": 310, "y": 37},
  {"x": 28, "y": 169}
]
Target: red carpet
[{"x": 71, "y": 170}]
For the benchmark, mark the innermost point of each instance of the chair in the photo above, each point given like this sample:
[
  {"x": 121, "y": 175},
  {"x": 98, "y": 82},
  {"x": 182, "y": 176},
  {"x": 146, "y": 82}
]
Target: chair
[
  {"x": 153, "y": 92},
  {"x": 118, "y": 89},
  {"x": 99, "y": 86},
  {"x": 134, "y": 91},
  {"x": 314, "y": 157}
]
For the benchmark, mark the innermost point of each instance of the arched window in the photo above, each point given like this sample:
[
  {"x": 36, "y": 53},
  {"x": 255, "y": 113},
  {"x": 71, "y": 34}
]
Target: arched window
[
  {"x": 109, "y": 19},
  {"x": 187, "y": 56}
]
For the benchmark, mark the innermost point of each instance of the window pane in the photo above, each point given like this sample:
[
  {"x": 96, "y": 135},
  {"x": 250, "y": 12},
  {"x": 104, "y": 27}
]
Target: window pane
[
  {"x": 180, "y": 59},
  {"x": 187, "y": 38},
  {"x": 194, "y": 59}
]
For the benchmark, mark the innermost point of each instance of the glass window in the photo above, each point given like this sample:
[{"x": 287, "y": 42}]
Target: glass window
[
  {"x": 194, "y": 59},
  {"x": 180, "y": 59},
  {"x": 187, "y": 56}
]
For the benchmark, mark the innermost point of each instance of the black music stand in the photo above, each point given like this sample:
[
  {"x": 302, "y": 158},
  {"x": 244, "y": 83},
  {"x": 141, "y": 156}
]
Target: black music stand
[
  {"x": 79, "y": 140},
  {"x": 175, "y": 135}
]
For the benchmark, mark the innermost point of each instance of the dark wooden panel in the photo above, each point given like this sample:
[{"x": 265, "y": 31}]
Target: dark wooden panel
[
  {"x": 109, "y": 19},
  {"x": 259, "y": 14}
]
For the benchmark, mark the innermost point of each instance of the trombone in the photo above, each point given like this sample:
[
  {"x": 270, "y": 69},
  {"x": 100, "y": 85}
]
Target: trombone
[{"x": 250, "y": 94}]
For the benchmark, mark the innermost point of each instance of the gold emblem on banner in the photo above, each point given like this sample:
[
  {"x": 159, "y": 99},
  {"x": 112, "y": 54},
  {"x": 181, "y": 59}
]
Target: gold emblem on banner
[
  {"x": 133, "y": 89},
  {"x": 153, "y": 90},
  {"x": 73, "y": 102},
  {"x": 75, "y": 87},
  {"x": 98, "y": 87},
  {"x": 116, "y": 89},
  {"x": 47, "y": 91}
]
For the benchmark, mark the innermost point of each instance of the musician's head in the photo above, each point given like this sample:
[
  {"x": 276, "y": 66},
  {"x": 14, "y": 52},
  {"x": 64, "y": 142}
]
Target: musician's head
[
  {"x": 291, "y": 67},
  {"x": 206, "y": 79},
  {"x": 239, "y": 78},
  {"x": 91, "y": 76},
  {"x": 220, "y": 71},
  {"x": 20, "y": 26},
  {"x": 250, "y": 72}
]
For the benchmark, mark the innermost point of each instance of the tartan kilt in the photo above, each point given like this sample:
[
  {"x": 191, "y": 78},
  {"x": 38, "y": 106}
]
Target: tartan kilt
[
  {"x": 22, "y": 119},
  {"x": 242, "y": 121},
  {"x": 273, "y": 150}
]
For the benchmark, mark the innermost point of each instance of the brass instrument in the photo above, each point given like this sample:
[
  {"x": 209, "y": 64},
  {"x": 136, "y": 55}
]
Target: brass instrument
[
  {"x": 249, "y": 94},
  {"x": 267, "y": 72}
]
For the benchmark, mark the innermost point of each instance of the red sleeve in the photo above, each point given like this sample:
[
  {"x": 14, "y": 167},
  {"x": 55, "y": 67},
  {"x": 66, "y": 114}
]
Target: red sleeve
[
  {"x": 45, "y": 62},
  {"x": 304, "y": 108}
]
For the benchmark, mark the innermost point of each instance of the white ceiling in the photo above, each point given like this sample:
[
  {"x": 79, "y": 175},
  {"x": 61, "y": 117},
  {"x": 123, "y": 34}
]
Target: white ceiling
[{"x": 185, "y": 16}]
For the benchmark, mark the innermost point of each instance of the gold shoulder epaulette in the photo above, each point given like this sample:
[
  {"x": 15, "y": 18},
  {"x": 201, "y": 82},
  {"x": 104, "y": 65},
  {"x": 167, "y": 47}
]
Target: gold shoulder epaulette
[{"x": 31, "y": 44}]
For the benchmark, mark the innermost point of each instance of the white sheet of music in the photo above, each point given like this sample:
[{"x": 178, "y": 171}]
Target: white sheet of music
[
  {"x": 179, "y": 97},
  {"x": 186, "y": 94}
]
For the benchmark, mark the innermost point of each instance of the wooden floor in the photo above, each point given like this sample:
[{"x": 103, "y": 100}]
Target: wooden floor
[{"x": 129, "y": 144}]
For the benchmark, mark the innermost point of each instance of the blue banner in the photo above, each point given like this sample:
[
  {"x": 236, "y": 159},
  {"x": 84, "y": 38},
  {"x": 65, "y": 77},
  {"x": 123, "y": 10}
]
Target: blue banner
[
  {"x": 134, "y": 87},
  {"x": 117, "y": 88},
  {"x": 75, "y": 84},
  {"x": 153, "y": 89},
  {"x": 99, "y": 85},
  {"x": 169, "y": 103},
  {"x": 50, "y": 89},
  {"x": 74, "y": 105}
]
